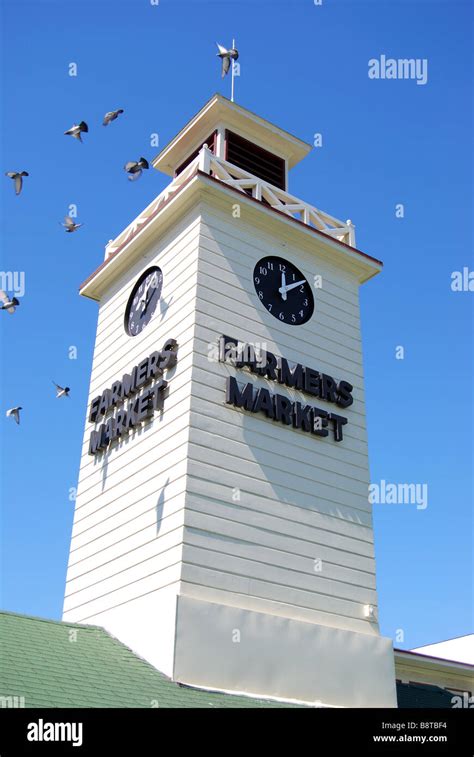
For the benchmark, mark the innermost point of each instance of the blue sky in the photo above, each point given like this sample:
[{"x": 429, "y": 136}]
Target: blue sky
[{"x": 385, "y": 142}]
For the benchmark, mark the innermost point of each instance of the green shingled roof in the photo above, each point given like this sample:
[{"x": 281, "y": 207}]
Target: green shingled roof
[{"x": 54, "y": 664}]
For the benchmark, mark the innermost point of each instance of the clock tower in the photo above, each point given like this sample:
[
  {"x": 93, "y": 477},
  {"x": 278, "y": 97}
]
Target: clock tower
[{"x": 222, "y": 527}]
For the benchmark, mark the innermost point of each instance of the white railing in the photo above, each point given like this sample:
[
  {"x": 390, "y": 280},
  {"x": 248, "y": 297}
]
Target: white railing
[
  {"x": 145, "y": 215},
  {"x": 247, "y": 183}
]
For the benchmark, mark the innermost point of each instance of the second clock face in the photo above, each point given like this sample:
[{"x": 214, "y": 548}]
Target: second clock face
[
  {"x": 283, "y": 290},
  {"x": 143, "y": 301}
]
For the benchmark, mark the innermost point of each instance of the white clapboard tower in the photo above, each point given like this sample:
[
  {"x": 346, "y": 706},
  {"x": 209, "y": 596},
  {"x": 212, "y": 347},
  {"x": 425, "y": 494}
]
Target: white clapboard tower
[{"x": 232, "y": 550}]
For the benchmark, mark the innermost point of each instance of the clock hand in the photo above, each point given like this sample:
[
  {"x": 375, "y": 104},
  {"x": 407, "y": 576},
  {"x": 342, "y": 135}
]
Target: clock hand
[
  {"x": 291, "y": 286},
  {"x": 282, "y": 289},
  {"x": 148, "y": 298}
]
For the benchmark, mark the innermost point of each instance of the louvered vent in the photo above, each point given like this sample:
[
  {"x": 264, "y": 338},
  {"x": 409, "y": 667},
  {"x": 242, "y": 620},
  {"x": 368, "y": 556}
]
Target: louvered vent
[
  {"x": 254, "y": 159},
  {"x": 210, "y": 142}
]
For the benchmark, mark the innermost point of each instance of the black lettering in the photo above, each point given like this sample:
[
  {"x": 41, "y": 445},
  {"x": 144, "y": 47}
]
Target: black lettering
[
  {"x": 271, "y": 366},
  {"x": 154, "y": 368},
  {"x": 344, "y": 394},
  {"x": 302, "y": 416},
  {"x": 312, "y": 381},
  {"x": 338, "y": 422},
  {"x": 144, "y": 406},
  {"x": 169, "y": 354},
  {"x": 94, "y": 442},
  {"x": 142, "y": 373},
  {"x": 127, "y": 386},
  {"x": 104, "y": 402},
  {"x": 292, "y": 378},
  {"x": 109, "y": 433},
  {"x": 236, "y": 397},
  {"x": 328, "y": 388},
  {"x": 94, "y": 409},
  {"x": 157, "y": 394},
  {"x": 283, "y": 409},
  {"x": 115, "y": 393},
  {"x": 132, "y": 413},
  {"x": 263, "y": 403},
  {"x": 120, "y": 421},
  {"x": 320, "y": 422},
  {"x": 246, "y": 358},
  {"x": 103, "y": 441},
  {"x": 227, "y": 345}
]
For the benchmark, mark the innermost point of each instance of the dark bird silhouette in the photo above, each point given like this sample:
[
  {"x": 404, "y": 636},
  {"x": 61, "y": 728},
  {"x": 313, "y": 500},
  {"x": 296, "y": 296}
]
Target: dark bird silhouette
[
  {"x": 226, "y": 56},
  {"x": 9, "y": 303},
  {"x": 135, "y": 168},
  {"x": 77, "y": 129},
  {"x": 17, "y": 177},
  {"x": 69, "y": 225},
  {"x": 111, "y": 116},
  {"x": 14, "y": 412}
]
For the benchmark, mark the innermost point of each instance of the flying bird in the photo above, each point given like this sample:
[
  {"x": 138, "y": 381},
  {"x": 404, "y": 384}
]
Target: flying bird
[
  {"x": 69, "y": 225},
  {"x": 111, "y": 116},
  {"x": 135, "y": 169},
  {"x": 9, "y": 303},
  {"x": 17, "y": 177},
  {"x": 226, "y": 56},
  {"x": 14, "y": 412},
  {"x": 76, "y": 130},
  {"x": 61, "y": 391}
]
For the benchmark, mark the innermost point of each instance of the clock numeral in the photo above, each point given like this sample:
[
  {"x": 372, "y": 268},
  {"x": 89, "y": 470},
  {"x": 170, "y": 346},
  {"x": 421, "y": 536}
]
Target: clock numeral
[{"x": 279, "y": 284}]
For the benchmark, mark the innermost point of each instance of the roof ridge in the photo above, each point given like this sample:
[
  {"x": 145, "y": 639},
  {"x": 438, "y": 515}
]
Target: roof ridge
[
  {"x": 443, "y": 641},
  {"x": 11, "y": 613}
]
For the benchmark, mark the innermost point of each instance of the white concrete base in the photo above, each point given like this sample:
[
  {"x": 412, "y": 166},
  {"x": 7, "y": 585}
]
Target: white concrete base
[
  {"x": 145, "y": 624},
  {"x": 228, "y": 648}
]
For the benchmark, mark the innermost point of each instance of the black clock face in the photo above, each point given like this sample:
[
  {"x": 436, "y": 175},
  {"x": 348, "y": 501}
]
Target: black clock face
[
  {"x": 143, "y": 301},
  {"x": 283, "y": 290}
]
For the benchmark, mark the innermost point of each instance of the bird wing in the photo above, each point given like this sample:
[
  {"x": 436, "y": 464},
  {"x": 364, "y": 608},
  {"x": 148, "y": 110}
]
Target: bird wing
[
  {"x": 59, "y": 388},
  {"x": 11, "y": 174},
  {"x": 222, "y": 50},
  {"x": 3, "y": 297},
  {"x": 225, "y": 65},
  {"x": 68, "y": 222},
  {"x": 131, "y": 164},
  {"x": 135, "y": 175},
  {"x": 18, "y": 183}
]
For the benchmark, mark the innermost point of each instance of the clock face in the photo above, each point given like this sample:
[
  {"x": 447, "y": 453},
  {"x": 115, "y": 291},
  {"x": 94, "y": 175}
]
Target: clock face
[
  {"x": 283, "y": 290},
  {"x": 143, "y": 301}
]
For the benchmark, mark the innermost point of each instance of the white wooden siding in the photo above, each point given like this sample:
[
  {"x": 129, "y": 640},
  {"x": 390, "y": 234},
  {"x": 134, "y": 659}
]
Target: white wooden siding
[
  {"x": 301, "y": 498},
  {"x": 128, "y": 525}
]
